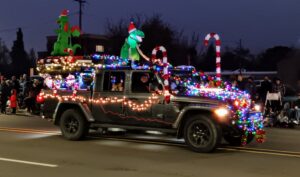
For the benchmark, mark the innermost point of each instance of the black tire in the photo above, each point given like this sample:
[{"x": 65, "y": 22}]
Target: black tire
[
  {"x": 202, "y": 134},
  {"x": 73, "y": 126},
  {"x": 237, "y": 140}
]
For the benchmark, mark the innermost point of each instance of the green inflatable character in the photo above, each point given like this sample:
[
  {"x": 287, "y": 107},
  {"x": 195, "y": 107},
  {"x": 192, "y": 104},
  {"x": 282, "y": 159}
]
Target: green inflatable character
[
  {"x": 129, "y": 49},
  {"x": 63, "y": 45}
]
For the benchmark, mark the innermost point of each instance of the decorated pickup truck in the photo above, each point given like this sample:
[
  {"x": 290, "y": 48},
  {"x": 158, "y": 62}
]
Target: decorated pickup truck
[
  {"x": 103, "y": 91},
  {"x": 123, "y": 97}
]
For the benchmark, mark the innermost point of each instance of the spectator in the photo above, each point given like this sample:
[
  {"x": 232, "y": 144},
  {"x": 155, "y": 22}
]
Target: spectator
[
  {"x": 13, "y": 101},
  {"x": 30, "y": 100},
  {"x": 15, "y": 84},
  {"x": 278, "y": 86},
  {"x": 240, "y": 82},
  {"x": 5, "y": 93},
  {"x": 27, "y": 87},
  {"x": 266, "y": 86},
  {"x": 22, "y": 82},
  {"x": 250, "y": 87}
]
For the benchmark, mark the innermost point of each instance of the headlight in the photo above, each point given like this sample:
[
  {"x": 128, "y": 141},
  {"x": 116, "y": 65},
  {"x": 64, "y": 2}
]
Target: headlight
[
  {"x": 221, "y": 112},
  {"x": 257, "y": 108}
]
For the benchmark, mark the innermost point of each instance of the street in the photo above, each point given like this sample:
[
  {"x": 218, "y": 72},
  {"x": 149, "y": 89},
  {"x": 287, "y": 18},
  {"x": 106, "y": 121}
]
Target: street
[{"x": 32, "y": 146}]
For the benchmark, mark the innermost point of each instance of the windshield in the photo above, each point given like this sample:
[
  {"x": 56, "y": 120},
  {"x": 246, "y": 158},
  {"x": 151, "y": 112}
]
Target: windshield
[{"x": 180, "y": 79}]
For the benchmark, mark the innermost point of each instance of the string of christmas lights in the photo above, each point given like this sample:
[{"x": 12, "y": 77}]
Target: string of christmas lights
[{"x": 134, "y": 106}]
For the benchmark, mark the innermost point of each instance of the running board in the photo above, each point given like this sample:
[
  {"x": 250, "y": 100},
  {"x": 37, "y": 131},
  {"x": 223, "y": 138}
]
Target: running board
[{"x": 133, "y": 128}]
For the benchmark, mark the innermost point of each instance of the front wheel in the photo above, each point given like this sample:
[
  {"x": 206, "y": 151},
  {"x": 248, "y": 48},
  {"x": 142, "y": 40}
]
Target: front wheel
[
  {"x": 73, "y": 126},
  {"x": 202, "y": 134}
]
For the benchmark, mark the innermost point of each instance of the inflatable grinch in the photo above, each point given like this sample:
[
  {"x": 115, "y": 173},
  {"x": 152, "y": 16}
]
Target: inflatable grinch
[
  {"x": 63, "y": 45},
  {"x": 130, "y": 48}
]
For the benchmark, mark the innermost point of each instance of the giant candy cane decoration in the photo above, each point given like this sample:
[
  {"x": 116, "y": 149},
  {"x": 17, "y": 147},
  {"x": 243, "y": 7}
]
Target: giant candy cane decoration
[
  {"x": 218, "y": 52},
  {"x": 165, "y": 71}
]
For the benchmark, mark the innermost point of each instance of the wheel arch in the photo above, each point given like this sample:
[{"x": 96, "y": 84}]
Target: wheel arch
[
  {"x": 63, "y": 106},
  {"x": 189, "y": 113}
]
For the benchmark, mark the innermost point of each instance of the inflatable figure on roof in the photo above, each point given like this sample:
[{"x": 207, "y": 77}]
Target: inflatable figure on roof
[
  {"x": 130, "y": 48},
  {"x": 63, "y": 46}
]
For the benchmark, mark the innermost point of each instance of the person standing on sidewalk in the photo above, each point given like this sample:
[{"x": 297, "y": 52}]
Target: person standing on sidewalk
[
  {"x": 266, "y": 86},
  {"x": 13, "y": 101},
  {"x": 250, "y": 87},
  {"x": 5, "y": 93},
  {"x": 278, "y": 87}
]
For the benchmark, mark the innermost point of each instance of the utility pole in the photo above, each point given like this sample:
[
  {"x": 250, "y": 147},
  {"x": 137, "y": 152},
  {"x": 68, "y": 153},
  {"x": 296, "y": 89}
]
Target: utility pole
[{"x": 81, "y": 3}]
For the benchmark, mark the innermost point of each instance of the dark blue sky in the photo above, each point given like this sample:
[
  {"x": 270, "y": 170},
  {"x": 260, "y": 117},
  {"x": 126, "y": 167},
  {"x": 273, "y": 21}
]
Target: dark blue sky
[{"x": 259, "y": 23}]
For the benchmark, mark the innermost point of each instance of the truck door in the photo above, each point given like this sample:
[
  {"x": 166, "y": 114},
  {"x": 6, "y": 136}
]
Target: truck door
[
  {"x": 146, "y": 106},
  {"x": 108, "y": 97}
]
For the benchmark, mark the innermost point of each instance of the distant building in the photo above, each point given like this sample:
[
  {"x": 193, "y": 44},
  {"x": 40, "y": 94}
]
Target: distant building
[{"x": 90, "y": 43}]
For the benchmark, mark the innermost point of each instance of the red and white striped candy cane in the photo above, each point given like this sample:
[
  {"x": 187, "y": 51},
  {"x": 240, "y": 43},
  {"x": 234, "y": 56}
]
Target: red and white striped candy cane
[
  {"x": 218, "y": 52},
  {"x": 165, "y": 70}
]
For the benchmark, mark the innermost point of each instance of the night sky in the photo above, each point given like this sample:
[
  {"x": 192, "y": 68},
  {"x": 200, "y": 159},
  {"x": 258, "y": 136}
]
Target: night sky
[{"x": 259, "y": 23}]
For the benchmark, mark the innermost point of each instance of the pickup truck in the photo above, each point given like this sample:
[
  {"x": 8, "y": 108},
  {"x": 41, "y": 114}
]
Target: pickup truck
[{"x": 135, "y": 100}]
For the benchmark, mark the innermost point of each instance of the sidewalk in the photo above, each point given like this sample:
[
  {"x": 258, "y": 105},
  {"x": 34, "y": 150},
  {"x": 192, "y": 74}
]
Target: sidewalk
[{"x": 21, "y": 112}]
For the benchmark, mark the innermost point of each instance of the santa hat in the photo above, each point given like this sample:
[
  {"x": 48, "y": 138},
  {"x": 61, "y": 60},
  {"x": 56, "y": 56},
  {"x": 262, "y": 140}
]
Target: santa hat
[
  {"x": 64, "y": 13},
  {"x": 131, "y": 27}
]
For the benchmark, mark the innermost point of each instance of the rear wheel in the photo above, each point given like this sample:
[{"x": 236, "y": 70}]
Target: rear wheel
[
  {"x": 202, "y": 134},
  {"x": 73, "y": 125}
]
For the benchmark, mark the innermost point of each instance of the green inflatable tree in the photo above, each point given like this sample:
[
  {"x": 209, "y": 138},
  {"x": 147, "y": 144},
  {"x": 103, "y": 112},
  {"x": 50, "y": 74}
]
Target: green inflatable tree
[{"x": 63, "y": 45}]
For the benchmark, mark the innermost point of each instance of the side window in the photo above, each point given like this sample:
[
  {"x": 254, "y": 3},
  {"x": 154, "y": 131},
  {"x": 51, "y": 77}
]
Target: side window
[
  {"x": 141, "y": 82},
  {"x": 114, "y": 81},
  {"x": 97, "y": 82}
]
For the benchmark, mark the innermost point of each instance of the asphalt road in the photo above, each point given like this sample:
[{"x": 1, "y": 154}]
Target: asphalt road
[{"x": 31, "y": 146}]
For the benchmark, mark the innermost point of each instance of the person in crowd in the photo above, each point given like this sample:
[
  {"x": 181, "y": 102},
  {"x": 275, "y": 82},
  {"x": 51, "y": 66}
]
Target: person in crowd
[
  {"x": 266, "y": 86},
  {"x": 278, "y": 87},
  {"x": 234, "y": 83},
  {"x": 27, "y": 86},
  {"x": 250, "y": 87},
  {"x": 5, "y": 93},
  {"x": 240, "y": 82},
  {"x": 29, "y": 101},
  {"x": 15, "y": 84},
  {"x": 13, "y": 101},
  {"x": 21, "y": 95}
]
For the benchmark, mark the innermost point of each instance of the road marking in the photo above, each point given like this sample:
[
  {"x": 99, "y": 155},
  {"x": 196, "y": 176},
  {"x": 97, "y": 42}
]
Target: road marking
[
  {"x": 261, "y": 152},
  {"x": 135, "y": 140},
  {"x": 237, "y": 149},
  {"x": 31, "y": 131},
  {"x": 266, "y": 150},
  {"x": 28, "y": 162}
]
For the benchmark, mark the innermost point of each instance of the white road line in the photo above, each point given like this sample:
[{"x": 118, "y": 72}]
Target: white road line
[
  {"x": 28, "y": 162},
  {"x": 260, "y": 152}
]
